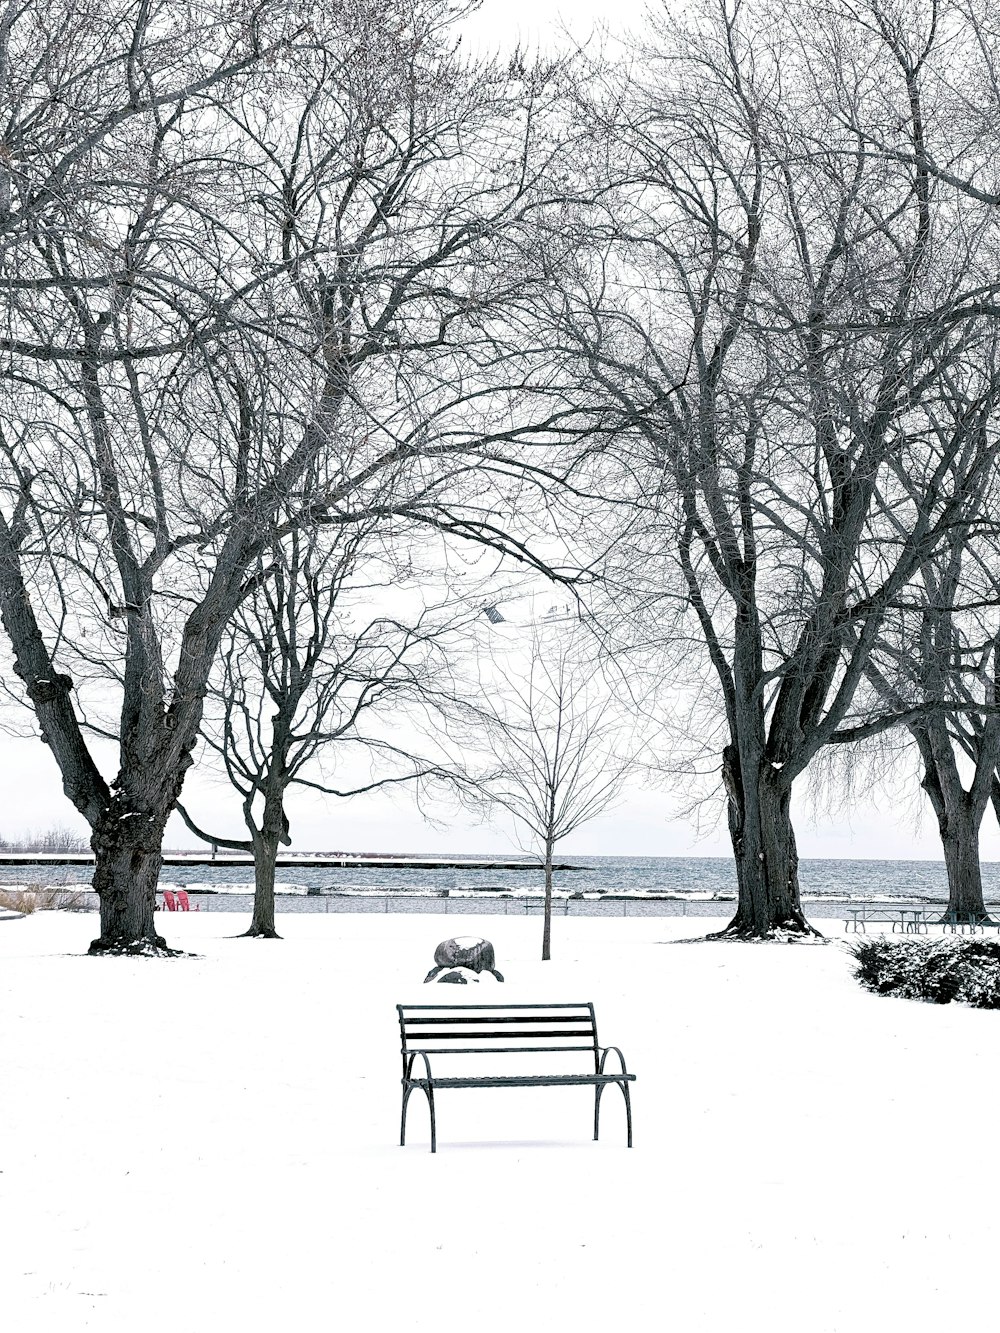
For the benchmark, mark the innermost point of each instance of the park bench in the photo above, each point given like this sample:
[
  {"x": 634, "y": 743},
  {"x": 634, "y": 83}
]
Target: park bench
[{"x": 475, "y": 1030}]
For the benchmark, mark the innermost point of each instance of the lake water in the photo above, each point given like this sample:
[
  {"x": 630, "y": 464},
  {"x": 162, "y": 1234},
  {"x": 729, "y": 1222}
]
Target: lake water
[{"x": 694, "y": 882}]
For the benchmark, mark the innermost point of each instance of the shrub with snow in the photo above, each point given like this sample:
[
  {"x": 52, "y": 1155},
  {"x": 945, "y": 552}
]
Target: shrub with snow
[{"x": 935, "y": 970}]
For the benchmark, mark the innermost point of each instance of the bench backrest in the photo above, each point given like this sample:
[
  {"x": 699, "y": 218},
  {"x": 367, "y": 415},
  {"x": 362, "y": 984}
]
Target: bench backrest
[{"x": 502, "y": 1029}]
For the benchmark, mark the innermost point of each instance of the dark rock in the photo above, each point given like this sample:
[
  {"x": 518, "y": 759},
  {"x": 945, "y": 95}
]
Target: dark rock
[{"x": 466, "y": 951}]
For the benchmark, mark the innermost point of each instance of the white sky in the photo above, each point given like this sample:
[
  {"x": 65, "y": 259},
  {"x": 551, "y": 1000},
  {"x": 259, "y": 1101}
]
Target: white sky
[
  {"x": 502, "y": 24},
  {"x": 892, "y": 828},
  {"x": 895, "y": 826}
]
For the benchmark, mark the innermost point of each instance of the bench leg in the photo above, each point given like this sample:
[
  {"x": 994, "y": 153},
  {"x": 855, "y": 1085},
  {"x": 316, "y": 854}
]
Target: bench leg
[
  {"x": 402, "y": 1118},
  {"x": 430, "y": 1103},
  {"x": 628, "y": 1108}
]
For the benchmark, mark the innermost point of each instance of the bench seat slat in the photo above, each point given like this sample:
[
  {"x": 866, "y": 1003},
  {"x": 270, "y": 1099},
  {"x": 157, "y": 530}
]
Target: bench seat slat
[
  {"x": 405, "y": 1008},
  {"x": 521, "y": 1081},
  {"x": 443, "y": 1020},
  {"x": 412, "y": 1038},
  {"x": 497, "y": 1050}
]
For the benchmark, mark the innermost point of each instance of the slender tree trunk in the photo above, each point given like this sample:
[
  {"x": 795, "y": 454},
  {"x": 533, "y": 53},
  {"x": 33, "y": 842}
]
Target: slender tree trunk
[
  {"x": 547, "y": 918},
  {"x": 265, "y": 854},
  {"x": 272, "y": 831},
  {"x": 128, "y": 848}
]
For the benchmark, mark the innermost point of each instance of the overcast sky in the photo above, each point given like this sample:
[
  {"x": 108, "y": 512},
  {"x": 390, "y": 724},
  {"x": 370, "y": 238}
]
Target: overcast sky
[
  {"x": 31, "y": 798},
  {"x": 503, "y": 24},
  {"x": 893, "y": 827}
]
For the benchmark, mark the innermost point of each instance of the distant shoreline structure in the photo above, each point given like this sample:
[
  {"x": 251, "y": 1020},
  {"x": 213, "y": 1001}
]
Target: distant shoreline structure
[
  {"x": 446, "y": 860},
  {"x": 302, "y": 860}
]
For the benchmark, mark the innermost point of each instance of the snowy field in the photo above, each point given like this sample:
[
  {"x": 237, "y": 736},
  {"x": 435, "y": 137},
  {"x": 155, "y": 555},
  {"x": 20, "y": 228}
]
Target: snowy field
[{"x": 211, "y": 1143}]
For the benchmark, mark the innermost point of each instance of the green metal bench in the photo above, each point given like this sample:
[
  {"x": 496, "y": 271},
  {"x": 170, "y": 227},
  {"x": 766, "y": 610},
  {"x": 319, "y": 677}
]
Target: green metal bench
[{"x": 467, "y": 1030}]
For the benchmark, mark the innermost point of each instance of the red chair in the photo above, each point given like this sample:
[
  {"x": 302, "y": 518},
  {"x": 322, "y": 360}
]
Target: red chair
[
  {"x": 168, "y": 901},
  {"x": 183, "y": 901}
]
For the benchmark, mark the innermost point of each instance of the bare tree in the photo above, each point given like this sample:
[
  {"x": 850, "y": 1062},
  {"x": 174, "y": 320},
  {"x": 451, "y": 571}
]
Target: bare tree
[
  {"x": 254, "y": 283},
  {"x": 104, "y": 244},
  {"x": 934, "y": 670},
  {"x": 548, "y": 740},
  {"x": 309, "y": 685},
  {"x": 772, "y": 311}
]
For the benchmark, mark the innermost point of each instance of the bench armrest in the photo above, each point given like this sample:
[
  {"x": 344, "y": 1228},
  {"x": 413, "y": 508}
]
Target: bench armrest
[
  {"x": 408, "y": 1065},
  {"x": 605, "y": 1052}
]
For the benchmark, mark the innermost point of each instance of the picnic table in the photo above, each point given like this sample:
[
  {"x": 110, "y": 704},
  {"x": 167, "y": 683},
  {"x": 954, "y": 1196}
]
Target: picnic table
[{"x": 913, "y": 920}]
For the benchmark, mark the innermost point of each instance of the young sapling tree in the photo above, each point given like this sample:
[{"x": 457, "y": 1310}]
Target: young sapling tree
[{"x": 547, "y": 739}]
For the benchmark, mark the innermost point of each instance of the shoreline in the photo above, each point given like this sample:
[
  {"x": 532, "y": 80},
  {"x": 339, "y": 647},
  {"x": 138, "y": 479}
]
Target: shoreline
[{"x": 391, "y": 902}]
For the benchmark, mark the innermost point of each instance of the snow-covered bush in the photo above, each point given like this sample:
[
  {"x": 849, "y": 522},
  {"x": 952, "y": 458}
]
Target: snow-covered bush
[{"x": 938, "y": 970}]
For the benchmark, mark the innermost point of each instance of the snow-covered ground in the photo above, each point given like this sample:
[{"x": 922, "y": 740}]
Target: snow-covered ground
[{"x": 210, "y": 1143}]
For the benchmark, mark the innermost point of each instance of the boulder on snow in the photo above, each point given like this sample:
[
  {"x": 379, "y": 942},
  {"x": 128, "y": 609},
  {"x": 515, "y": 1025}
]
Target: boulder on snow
[{"x": 464, "y": 952}]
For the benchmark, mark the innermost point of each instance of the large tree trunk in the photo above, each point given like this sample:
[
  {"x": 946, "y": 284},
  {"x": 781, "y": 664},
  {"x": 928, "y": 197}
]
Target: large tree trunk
[
  {"x": 958, "y": 822},
  {"x": 128, "y": 847},
  {"x": 960, "y": 840},
  {"x": 265, "y": 854},
  {"x": 959, "y": 814},
  {"x": 767, "y": 862}
]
